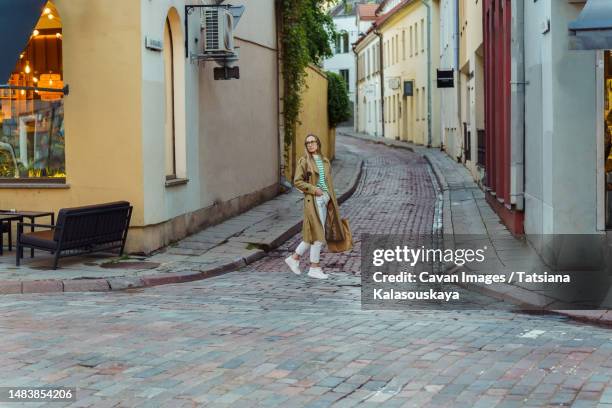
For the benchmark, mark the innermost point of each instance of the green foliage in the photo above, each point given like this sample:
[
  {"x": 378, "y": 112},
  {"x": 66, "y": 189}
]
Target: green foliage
[
  {"x": 306, "y": 33},
  {"x": 338, "y": 103}
]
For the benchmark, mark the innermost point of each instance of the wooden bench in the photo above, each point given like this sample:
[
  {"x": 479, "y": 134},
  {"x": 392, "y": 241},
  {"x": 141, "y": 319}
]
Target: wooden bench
[{"x": 79, "y": 230}]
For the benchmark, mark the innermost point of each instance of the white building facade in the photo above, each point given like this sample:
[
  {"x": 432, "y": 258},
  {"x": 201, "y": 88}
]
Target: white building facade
[
  {"x": 343, "y": 60},
  {"x": 368, "y": 112},
  {"x": 210, "y": 122},
  {"x": 564, "y": 96}
]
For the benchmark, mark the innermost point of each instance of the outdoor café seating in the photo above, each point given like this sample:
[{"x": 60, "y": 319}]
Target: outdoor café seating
[{"x": 78, "y": 230}]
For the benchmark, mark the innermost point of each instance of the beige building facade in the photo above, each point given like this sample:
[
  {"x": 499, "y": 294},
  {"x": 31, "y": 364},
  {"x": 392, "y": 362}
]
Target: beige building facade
[
  {"x": 471, "y": 86},
  {"x": 143, "y": 121}
]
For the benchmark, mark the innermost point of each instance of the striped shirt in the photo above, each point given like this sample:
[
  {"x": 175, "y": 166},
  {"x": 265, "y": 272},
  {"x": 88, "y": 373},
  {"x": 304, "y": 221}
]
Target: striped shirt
[{"x": 319, "y": 162}]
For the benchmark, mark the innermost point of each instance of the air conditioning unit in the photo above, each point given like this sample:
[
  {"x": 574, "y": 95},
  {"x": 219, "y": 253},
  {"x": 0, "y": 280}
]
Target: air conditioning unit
[{"x": 218, "y": 30}]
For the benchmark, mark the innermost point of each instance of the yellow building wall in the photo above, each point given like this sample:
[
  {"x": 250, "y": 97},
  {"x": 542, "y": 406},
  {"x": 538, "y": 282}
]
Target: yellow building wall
[
  {"x": 472, "y": 76},
  {"x": 470, "y": 17},
  {"x": 313, "y": 119},
  {"x": 405, "y": 53},
  {"x": 101, "y": 63}
]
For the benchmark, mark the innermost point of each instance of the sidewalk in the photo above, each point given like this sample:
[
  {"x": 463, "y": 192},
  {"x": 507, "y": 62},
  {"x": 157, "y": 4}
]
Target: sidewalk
[
  {"x": 466, "y": 214},
  {"x": 232, "y": 244}
]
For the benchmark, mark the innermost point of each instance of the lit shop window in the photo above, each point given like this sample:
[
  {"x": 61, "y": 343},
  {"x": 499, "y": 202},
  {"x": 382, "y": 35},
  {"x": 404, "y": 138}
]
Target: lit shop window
[{"x": 32, "y": 109}]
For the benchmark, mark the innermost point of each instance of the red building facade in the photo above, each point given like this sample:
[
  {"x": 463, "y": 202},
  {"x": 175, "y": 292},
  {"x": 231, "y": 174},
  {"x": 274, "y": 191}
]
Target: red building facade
[{"x": 497, "y": 32}]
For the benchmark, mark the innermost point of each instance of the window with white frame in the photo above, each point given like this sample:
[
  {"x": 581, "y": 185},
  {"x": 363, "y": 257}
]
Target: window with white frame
[{"x": 342, "y": 42}]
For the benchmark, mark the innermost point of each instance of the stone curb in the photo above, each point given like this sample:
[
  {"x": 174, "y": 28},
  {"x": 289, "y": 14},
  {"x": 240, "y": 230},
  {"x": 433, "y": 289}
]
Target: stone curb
[
  {"x": 121, "y": 283},
  {"x": 507, "y": 292},
  {"x": 526, "y": 299}
]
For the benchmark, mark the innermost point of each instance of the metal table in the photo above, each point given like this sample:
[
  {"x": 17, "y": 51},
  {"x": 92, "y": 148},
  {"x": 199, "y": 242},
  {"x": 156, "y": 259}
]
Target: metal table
[{"x": 8, "y": 219}]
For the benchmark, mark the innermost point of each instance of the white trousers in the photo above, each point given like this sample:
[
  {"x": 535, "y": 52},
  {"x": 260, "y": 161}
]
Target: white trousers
[{"x": 315, "y": 248}]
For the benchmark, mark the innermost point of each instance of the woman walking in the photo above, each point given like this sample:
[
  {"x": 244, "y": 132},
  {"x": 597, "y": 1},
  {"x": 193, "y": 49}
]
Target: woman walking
[{"x": 313, "y": 178}]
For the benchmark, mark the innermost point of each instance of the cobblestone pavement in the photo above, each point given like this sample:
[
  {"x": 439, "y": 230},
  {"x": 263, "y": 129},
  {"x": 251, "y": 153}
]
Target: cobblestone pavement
[{"x": 263, "y": 337}]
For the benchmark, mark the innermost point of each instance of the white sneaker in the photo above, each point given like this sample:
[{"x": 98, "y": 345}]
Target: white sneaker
[
  {"x": 317, "y": 273},
  {"x": 293, "y": 265}
]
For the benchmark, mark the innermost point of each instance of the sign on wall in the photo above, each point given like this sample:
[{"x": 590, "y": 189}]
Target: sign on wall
[
  {"x": 446, "y": 78},
  {"x": 153, "y": 45}
]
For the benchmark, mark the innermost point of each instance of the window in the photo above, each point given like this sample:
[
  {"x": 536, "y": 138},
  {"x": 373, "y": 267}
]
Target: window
[
  {"x": 385, "y": 109},
  {"x": 31, "y": 120},
  {"x": 392, "y": 51},
  {"x": 387, "y": 53},
  {"x": 399, "y": 107},
  {"x": 422, "y": 35},
  {"x": 344, "y": 73},
  {"x": 373, "y": 54},
  {"x": 417, "y": 107},
  {"x": 368, "y": 62},
  {"x": 424, "y": 104},
  {"x": 388, "y": 119},
  {"x": 170, "y": 117},
  {"x": 384, "y": 61},
  {"x": 416, "y": 39},
  {"x": 362, "y": 65},
  {"x": 175, "y": 152},
  {"x": 396, "y": 48},
  {"x": 404, "y": 45},
  {"x": 411, "y": 48},
  {"x": 342, "y": 42},
  {"x": 374, "y": 60},
  {"x": 375, "y": 111}
]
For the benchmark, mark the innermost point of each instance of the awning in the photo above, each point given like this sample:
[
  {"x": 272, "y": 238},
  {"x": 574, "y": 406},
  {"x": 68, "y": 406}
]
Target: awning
[
  {"x": 17, "y": 21},
  {"x": 592, "y": 30}
]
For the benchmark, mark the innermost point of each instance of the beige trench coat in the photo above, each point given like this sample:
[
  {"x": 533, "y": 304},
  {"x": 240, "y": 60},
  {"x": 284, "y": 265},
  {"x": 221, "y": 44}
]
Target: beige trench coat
[{"x": 306, "y": 179}]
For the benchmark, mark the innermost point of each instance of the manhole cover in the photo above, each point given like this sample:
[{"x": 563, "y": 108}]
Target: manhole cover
[{"x": 130, "y": 265}]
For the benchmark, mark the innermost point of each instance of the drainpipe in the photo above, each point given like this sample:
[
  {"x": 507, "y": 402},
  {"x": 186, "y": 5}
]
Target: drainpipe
[
  {"x": 429, "y": 84},
  {"x": 382, "y": 80},
  {"x": 457, "y": 68},
  {"x": 517, "y": 107},
  {"x": 284, "y": 184}
]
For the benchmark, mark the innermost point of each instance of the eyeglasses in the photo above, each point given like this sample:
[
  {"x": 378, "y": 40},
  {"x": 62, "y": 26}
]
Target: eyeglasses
[{"x": 311, "y": 142}]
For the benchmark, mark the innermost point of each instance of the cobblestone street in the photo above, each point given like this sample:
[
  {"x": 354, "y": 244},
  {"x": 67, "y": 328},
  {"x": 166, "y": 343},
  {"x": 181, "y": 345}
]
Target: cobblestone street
[{"x": 264, "y": 337}]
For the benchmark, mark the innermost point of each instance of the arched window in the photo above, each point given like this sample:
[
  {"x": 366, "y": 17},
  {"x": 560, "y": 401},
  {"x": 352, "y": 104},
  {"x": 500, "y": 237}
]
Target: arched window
[
  {"x": 174, "y": 130},
  {"x": 170, "y": 128},
  {"x": 32, "y": 110}
]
